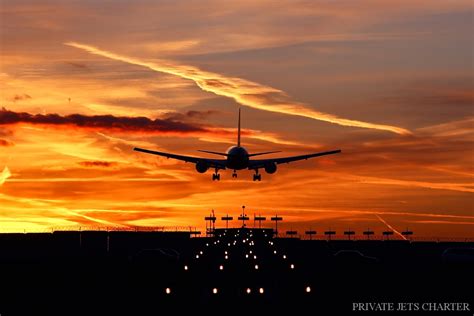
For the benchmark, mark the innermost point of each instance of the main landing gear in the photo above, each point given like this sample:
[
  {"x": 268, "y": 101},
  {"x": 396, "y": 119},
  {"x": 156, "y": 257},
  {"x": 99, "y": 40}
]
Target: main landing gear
[
  {"x": 216, "y": 176},
  {"x": 257, "y": 176},
  {"x": 234, "y": 174}
]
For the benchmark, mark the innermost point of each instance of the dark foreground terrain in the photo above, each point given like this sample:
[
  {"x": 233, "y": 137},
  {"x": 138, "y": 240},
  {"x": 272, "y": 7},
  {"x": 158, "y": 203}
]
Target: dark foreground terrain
[{"x": 155, "y": 273}]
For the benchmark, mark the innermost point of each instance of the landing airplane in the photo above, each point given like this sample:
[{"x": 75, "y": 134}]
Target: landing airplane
[{"x": 237, "y": 158}]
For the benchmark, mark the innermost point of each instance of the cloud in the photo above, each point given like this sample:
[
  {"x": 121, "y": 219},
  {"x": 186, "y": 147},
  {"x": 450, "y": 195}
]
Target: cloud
[
  {"x": 4, "y": 175},
  {"x": 192, "y": 114},
  {"x": 101, "y": 122},
  {"x": 19, "y": 97},
  {"x": 5, "y": 143},
  {"x": 98, "y": 163},
  {"x": 77, "y": 65},
  {"x": 390, "y": 227},
  {"x": 242, "y": 91}
]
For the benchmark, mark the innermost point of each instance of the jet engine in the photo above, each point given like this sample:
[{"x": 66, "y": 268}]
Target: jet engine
[
  {"x": 270, "y": 167},
  {"x": 202, "y": 166}
]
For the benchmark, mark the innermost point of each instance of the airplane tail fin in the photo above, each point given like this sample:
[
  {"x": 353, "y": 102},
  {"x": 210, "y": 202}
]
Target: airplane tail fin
[{"x": 238, "y": 132}]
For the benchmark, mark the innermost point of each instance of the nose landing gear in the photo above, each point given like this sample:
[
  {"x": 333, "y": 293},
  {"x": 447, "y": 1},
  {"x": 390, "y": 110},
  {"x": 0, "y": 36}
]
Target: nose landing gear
[
  {"x": 257, "y": 176},
  {"x": 234, "y": 174}
]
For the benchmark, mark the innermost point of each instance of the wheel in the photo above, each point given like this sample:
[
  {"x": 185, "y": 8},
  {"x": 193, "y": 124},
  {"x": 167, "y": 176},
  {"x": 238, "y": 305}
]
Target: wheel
[
  {"x": 234, "y": 175},
  {"x": 218, "y": 177}
]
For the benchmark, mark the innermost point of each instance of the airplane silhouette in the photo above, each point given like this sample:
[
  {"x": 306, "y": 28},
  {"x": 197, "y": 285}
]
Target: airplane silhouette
[{"x": 237, "y": 158}]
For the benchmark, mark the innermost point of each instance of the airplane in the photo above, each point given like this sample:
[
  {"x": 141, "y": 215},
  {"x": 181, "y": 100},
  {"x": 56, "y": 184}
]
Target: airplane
[{"x": 237, "y": 158}]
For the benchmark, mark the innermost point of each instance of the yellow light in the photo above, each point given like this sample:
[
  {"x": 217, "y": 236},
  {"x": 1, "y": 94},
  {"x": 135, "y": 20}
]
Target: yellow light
[
  {"x": 261, "y": 290},
  {"x": 168, "y": 290},
  {"x": 214, "y": 290},
  {"x": 308, "y": 289}
]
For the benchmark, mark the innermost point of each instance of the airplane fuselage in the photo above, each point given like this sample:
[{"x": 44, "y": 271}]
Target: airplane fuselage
[{"x": 237, "y": 158}]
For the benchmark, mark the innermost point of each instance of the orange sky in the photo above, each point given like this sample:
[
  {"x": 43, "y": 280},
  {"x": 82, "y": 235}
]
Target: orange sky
[{"x": 388, "y": 82}]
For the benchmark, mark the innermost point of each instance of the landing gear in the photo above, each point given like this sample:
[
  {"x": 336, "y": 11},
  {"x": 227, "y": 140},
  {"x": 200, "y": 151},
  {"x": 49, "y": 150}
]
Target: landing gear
[
  {"x": 257, "y": 176},
  {"x": 234, "y": 174},
  {"x": 216, "y": 176}
]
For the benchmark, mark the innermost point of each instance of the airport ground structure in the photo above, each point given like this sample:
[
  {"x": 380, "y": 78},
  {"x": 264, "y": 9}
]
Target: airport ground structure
[{"x": 134, "y": 271}]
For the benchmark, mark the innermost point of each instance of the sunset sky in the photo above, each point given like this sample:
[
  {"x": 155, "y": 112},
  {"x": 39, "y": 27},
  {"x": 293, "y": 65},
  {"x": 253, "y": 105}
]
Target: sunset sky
[{"x": 390, "y": 83}]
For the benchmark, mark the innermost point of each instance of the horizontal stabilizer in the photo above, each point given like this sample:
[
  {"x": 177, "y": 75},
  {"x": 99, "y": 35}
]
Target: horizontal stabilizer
[
  {"x": 264, "y": 153},
  {"x": 213, "y": 152}
]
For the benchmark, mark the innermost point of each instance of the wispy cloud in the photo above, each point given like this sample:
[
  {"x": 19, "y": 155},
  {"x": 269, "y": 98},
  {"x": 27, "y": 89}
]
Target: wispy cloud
[
  {"x": 242, "y": 91},
  {"x": 4, "y": 175},
  {"x": 390, "y": 227}
]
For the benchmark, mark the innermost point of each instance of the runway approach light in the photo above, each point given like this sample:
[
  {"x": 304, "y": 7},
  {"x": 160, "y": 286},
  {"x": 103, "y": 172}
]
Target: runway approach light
[
  {"x": 197, "y": 256},
  {"x": 255, "y": 257},
  {"x": 256, "y": 267},
  {"x": 284, "y": 256},
  {"x": 248, "y": 291},
  {"x": 200, "y": 252},
  {"x": 221, "y": 267},
  {"x": 308, "y": 289},
  {"x": 292, "y": 266},
  {"x": 246, "y": 256},
  {"x": 260, "y": 290},
  {"x": 214, "y": 290},
  {"x": 274, "y": 251},
  {"x": 168, "y": 290},
  {"x": 226, "y": 257},
  {"x": 186, "y": 268}
]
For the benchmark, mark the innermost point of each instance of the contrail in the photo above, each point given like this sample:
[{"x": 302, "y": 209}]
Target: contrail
[
  {"x": 390, "y": 227},
  {"x": 242, "y": 91},
  {"x": 4, "y": 175}
]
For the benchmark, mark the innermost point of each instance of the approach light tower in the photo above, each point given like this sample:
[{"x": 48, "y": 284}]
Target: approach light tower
[
  {"x": 276, "y": 219},
  {"x": 243, "y": 217},
  {"x": 212, "y": 223},
  {"x": 227, "y": 218}
]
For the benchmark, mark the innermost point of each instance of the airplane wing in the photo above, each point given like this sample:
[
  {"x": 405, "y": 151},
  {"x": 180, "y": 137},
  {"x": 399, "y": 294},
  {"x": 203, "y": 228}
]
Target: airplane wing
[
  {"x": 213, "y": 163},
  {"x": 260, "y": 163}
]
